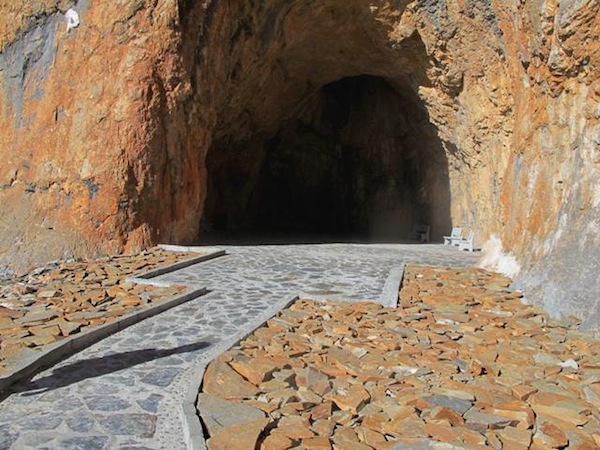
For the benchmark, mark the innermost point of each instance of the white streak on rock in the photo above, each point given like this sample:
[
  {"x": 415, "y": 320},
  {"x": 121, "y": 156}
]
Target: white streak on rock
[
  {"x": 72, "y": 19},
  {"x": 496, "y": 259}
]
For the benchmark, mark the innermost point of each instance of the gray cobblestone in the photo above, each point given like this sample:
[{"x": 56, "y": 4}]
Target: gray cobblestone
[{"x": 126, "y": 391}]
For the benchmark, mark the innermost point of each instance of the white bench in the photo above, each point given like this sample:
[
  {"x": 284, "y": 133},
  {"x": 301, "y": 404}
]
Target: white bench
[
  {"x": 466, "y": 244},
  {"x": 454, "y": 237}
]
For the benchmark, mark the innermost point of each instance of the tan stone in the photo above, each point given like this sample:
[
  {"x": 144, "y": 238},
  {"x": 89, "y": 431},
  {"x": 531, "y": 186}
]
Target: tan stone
[
  {"x": 321, "y": 411},
  {"x": 564, "y": 414},
  {"x": 443, "y": 414},
  {"x": 276, "y": 441},
  {"x": 324, "y": 427},
  {"x": 344, "y": 434},
  {"x": 9, "y": 349},
  {"x": 256, "y": 370},
  {"x": 345, "y": 418},
  {"x": 316, "y": 443},
  {"x": 523, "y": 392},
  {"x": 273, "y": 385},
  {"x": 397, "y": 412},
  {"x": 515, "y": 438},
  {"x": 313, "y": 380},
  {"x": 481, "y": 421},
  {"x": 309, "y": 396},
  {"x": 471, "y": 437},
  {"x": 579, "y": 438},
  {"x": 67, "y": 328},
  {"x": 377, "y": 421},
  {"x": 351, "y": 399},
  {"x": 239, "y": 436},
  {"x": 39, "y": 340},
  {"x": 370, "y": 437},
  {"x": 442, "y": 432},
  {"x": 131, "y": 301},
  {"x": 294, "y": 427},
  {"x": 545, "y": 398},
  {"x": 263, "y": 406},
  {"x": 549, "y": 435},
  {"x": 405, "y": 427},
  {"x": 295, "y": 408},
  {"x": 48, "y": 293},
  {"x": 45, "y": 331},
  {"x": 222, "y": 381},
  {"x": 524, "y": 416},
  {"x": 282, "y": 396}
]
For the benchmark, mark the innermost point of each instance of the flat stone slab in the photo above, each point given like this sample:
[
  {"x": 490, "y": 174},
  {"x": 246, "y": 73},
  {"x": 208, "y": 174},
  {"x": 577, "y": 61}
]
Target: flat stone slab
[
  {"x": 247, "y": 286},
  {"x": 339, "y": 374},
  {"x": 218, "y": 413}
]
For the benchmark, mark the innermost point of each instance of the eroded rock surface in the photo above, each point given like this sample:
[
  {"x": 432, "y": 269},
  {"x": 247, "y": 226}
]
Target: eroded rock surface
[{"x": 114, "y": 133}]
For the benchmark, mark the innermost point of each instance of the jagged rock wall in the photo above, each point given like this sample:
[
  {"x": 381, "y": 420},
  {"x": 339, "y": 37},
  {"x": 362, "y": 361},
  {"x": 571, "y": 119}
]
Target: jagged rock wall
[
  {"x": 105, "y": 130},
  {"x": 93, "y": 131}
]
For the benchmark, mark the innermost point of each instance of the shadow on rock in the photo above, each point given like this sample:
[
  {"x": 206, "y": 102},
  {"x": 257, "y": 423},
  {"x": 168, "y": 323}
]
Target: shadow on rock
[{"x": 96, "y": 367}]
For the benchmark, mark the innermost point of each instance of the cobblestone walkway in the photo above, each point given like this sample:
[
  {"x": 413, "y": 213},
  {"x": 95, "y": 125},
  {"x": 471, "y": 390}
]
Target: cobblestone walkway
[{"x": 125, "y": 392}]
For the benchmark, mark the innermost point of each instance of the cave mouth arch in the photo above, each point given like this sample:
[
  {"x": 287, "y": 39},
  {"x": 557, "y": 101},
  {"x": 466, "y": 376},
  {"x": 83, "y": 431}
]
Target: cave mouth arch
[{"x": 356, "y": 160}]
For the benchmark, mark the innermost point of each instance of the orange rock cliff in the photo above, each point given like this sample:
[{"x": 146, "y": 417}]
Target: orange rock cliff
[{"x": 154, "y": 121}]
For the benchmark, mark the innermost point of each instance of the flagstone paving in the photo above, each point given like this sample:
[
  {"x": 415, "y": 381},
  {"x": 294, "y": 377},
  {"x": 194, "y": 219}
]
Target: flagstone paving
[
  {"x": 126, "y": 391},
  {"x": 462, "y": 363},
  {"x": 66, "y": 298}
]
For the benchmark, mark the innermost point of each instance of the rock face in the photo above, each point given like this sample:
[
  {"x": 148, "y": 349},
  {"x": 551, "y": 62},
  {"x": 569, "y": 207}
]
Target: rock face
[{"x": 154, "y": 121}]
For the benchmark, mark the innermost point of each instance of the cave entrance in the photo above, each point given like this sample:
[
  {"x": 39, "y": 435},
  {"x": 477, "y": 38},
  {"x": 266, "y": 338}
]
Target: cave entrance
[{"x": 358, "y": 159}]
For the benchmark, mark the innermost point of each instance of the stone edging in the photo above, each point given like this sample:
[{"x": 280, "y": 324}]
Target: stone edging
[
  {"x": 208, "y": 253},
  {"x": 389, "y": 294},
  {"x": 193, "y": 431},
  {"x": 73, "y": 344}
]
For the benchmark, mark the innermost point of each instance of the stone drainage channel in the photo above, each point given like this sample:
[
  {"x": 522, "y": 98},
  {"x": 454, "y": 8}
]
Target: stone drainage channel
[{"x": 136, "y": 388}]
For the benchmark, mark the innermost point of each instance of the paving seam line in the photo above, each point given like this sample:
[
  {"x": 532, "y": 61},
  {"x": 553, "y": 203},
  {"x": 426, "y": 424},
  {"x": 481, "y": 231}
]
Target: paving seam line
[
  {"x": 193, "y": 431},
  {"x": 73, "y": 344}
]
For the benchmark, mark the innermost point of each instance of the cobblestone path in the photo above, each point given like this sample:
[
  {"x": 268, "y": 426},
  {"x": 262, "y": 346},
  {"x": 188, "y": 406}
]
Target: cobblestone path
[{"x": 126, "y": 391}]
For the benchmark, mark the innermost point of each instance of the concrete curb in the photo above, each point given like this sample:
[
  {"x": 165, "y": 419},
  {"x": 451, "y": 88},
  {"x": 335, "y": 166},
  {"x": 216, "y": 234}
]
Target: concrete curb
[
  {"x": 208, "y": 254},
  {"x": 194, "y": 433},
  {"x": 71, "y": 345},
  {"x": 391, "y": 289}
]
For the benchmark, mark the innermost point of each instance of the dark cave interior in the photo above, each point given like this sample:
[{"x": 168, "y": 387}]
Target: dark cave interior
[{"x": 356, "y": 160}]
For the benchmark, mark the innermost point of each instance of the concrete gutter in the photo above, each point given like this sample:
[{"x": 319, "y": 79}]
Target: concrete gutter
[{"x": 64, "y": 348}]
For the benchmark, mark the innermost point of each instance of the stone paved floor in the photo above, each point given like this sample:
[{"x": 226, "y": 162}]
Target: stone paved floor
[
  {"x": 126, "y": 391},
  {"x": 460, "y": 364},
  {"x": 63, "y": 299}
]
